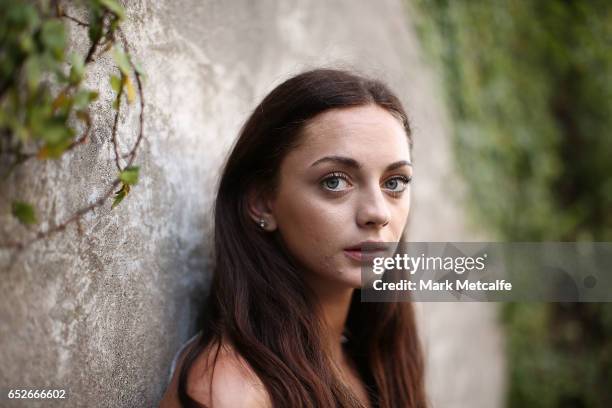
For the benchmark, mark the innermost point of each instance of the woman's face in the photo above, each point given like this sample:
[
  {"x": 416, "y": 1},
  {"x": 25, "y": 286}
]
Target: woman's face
[{"x": 347, "y": 182}]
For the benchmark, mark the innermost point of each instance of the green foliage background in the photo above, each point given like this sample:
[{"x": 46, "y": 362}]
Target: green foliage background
[{"x": 529, "y": 88}]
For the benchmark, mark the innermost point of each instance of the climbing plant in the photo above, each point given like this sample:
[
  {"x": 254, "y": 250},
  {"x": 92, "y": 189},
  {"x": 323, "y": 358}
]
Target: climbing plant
[{"x": 44, "y": 104}]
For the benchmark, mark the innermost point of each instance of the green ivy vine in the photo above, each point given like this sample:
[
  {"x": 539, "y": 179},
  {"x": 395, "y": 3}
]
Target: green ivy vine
[{"x": 44, "y": 105}]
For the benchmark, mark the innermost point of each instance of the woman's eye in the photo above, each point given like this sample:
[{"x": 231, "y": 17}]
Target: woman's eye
[
  {"x": 335, "y": 183},
  {"x": 397, "y": 184}
]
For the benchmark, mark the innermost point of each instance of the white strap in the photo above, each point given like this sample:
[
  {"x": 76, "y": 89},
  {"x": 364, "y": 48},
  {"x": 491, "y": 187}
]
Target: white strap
[{"x": 178, "y": 354}]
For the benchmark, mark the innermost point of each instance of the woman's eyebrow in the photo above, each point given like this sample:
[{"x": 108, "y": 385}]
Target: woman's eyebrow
[
  {"x": 347, "y": 161},
  {"x": 398, "y": 164}
]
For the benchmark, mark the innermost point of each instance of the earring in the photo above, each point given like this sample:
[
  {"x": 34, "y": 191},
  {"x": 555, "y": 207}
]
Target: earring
[{"x": 262, "y": 223}]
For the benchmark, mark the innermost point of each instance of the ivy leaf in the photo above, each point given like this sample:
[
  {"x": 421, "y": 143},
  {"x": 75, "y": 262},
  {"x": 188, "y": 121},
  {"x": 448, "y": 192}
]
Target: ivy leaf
[
  {"x": 55, "y": 133},
  {"x": 26, "y": 18},
  {"x": 24, "y": 212},
  {"x": 77, "y": 70},
  {"x": 120, "y": 195},
  {"x": 53, "y": 151},
  {"x": 115, "y": 83},
  {"x": 53, "y": 36},
  {"x": 95, "y": 22},
  {"x": 84, "y": 97},
  {"x": 27, "y": 44},
  {"x": 129, "y": 176},
  {"x": 138, "y": 68},
  {"x": 33, "y": 72},
  {"x": 22, "y": 132},
  {"x": 122, "y": 60},
  {"x": 57, "y": 139},
  {"x": 114, "y": 7},
  {"x": 129, "y": 87}
]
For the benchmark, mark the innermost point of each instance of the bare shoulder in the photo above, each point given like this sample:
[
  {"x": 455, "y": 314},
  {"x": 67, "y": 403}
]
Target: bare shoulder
[{"x": 220, "y": 378}]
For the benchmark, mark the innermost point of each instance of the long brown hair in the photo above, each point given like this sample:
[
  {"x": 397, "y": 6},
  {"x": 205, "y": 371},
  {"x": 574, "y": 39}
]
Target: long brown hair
[{"x": 254, "y": 277}]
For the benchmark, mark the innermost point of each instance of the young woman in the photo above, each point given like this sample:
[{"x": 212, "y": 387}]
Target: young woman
[{"x": 321, "y": 167}]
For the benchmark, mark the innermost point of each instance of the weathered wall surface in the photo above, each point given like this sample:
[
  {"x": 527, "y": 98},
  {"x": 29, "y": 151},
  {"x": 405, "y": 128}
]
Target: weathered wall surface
[{"x": 102, "y": 314}]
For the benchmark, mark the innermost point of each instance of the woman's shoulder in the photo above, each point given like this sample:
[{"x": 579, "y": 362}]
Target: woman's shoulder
[{"x": 220, "y": 377}]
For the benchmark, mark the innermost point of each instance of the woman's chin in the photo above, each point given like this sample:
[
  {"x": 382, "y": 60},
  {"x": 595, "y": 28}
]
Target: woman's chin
[{"x": 352, "y": 278}]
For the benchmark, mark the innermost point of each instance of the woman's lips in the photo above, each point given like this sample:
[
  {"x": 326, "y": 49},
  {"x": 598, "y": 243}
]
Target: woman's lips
[{"x": 360, "y": 255}]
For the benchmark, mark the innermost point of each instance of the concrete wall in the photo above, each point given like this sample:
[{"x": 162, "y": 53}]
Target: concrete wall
[{"x": 102, "y": 314}]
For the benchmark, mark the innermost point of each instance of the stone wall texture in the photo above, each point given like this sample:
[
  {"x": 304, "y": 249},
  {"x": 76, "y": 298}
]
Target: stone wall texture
[{"x": 102, "y": 314}]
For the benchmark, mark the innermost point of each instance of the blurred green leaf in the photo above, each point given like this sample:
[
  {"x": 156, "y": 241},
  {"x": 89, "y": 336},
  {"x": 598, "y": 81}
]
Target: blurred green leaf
[
  {"x": 114, "y": 7},
  {"x": 53, "y": 151},
  {"x": 138, "y": 69},
  {"x": 55, "y": 133},
  {"x": 77, "y": 70},
  {"x": 53, "y": 36},
  {"x": 129, "y": 175},
  {"x": 115, "y": 83},
  {"x": 122, "y": 61},
  {"x": 83, "y": 98},
  {"x": 96, "y": 28},
  {"x": 24, "y": 212},
  {"x": 120, "y": 195},
  {"x": 129, "y": 88},
  {"x": 33, "y": 72}
]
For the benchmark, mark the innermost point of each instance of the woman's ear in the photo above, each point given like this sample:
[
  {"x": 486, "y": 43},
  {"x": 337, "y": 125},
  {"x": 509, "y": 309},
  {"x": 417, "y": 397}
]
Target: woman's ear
[{"x": 260, "y": 209}]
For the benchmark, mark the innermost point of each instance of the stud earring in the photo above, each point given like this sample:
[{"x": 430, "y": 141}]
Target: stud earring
[{"x": 262, "y": 223}]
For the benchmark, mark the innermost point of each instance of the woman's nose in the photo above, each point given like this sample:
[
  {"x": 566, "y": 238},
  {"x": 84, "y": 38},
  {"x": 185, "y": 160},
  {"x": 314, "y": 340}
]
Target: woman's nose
[{"x": 373, "y": 209}]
